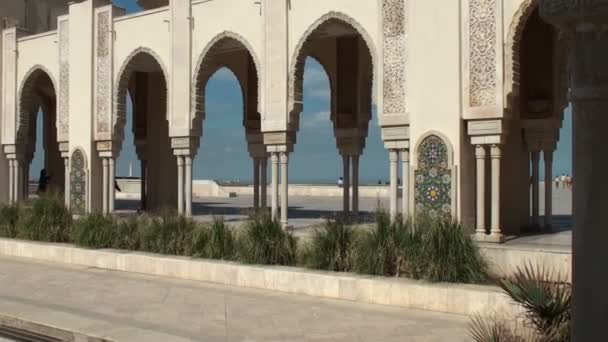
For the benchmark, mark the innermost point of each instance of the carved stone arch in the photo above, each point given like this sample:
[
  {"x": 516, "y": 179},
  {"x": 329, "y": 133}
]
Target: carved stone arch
[
  {"x": 29, "y": 101},
  {"x": 512, "y": 52},
  {"x": 434, "y": 177},
  {"x": 79, "y": 182},
  {"x": 296, "y": 69},
  {"x": 206, "y": 67},
  {"x": 123, "y": 77}
]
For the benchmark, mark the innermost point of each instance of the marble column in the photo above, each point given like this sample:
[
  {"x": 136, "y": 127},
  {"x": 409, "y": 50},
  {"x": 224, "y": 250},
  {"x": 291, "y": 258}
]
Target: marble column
[
  {"x": 188, "y": 185},
  {"x": 264, "y": 182},
  {"x": 548, "y": 156},
  {"x": 405, "y": 170},
  {"x": 66, "y": 188},
  {"x": 284, "y": 188},
  {"x": 256, "y": 183},
  {"x": 585, "y": 22},
  {"x": 535, "y": 157},
  {"x": 274, "y": 160},
  {"x": 480, "y": 156},
  {"x": 11, "y": 181},
  {"x": 355, "y": 182},
  {"x": 18, "y": 180},
  {"x": 111, "y": 185},
  {"x": 26, "y": 182},
  {"x": 346, "y": 184},
  {"x": 393, "y": 158},
  {"x": 180, "y": 185},
  {"x": 143, "y": 183},
  {"x": 105, "y": 187},
  {"x": 495, "y": 231}
]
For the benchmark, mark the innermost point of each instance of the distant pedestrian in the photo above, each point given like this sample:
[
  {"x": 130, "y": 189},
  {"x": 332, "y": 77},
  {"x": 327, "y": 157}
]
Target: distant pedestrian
[
  {"x": 557, "y": 182},
  {"x": 569, "y": 181},
  {"x": 563, "y": 180},
  {"x": 340, "y": 182},
  {"x": 43, "y": 181}
]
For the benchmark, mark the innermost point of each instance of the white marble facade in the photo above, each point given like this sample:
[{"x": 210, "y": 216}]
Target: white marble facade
[{"x": 485, "y": 88}]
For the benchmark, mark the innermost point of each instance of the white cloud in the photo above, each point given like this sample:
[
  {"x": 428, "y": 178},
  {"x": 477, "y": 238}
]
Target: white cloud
[{"x": 315, "y": 119}]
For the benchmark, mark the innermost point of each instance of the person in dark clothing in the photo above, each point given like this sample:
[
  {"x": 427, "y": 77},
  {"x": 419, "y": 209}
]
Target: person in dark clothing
[
  {"x": 43, "y": 181},
  {"x": 116, "y": 187}
]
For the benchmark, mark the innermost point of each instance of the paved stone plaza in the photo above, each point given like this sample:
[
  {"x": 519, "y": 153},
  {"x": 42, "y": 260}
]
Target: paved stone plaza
[{"x": 131, "y": 307}]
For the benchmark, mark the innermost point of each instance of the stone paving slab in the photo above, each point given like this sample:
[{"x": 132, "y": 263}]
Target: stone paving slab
[{"x": 131, "y": 307}]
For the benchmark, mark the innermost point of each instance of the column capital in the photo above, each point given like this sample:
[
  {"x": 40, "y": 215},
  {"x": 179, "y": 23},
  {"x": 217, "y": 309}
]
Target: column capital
[
  {"x": 480, "y": 151},
  {"x": 495, "y": 151},
  {"x": 393, "y": 155},
  {"x": 405, "y": 155}
]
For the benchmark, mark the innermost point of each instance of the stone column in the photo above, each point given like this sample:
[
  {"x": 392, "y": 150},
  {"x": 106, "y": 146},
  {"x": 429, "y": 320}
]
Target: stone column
[
  {"x": 480, "y": 156},
  {"x": 355, "y": 181},
  {"x": 11, "y": 181},
  {"x": 346, "y": 184},
  {"x": 180, "y": 185},
  {"x": 111, "y": 183},
  {"x": 264, "y": 182},
  {"x": 105, "y": 188},
  {"x": 274, "y": 159},
  {"x": 143, "y": 183},
  {"x": 256, "y": 183},
  {"x": 495, "y": 231},
  {"x": 284, "y": 188},
  {"x": 394, "y": 158},
  {"x": 405, "y": 170},
  {"x": 548, "y": 156},
  {"x": 586, "y": 23},
  {"x": 535, "y": 157},
  {"x": 66, "y": 188},
  {"x": 188, "y": 185},
  {"x": 18, "y": 180},
  {"x": 26, "y": 182}
]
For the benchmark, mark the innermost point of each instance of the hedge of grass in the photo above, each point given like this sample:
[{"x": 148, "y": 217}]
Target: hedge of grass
[{"x": 434, "y": 249}]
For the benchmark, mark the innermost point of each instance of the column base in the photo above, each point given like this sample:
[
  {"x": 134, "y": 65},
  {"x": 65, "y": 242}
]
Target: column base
[{"x": 490, "y": 238}]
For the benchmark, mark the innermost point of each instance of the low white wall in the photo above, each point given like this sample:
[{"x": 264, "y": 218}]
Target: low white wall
[{"x": 449, "y": 298}]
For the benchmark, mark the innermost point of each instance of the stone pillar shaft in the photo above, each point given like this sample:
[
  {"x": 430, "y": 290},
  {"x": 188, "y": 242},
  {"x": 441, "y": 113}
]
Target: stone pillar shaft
[
  {"x": 355, "y": 181},
  {"x": 11, "y": 181},
  {"x": 105, "y": 186},
  {"x": 274, "y": 159},
  {"x": 346, "y": 184},
  {"x": 188, "y": 185},
  {"x": 18, "y": 181},
  {"x": 495, "y": 153},
  {"x": 143, "y": 183},
  {"x": 256, "y": 183},
  {"x": 264, "y": 182},
  {"x": 394, "y": 158},
  {"x": 111, "y": 184},
  {"x": 180, "y": 185},
  {"x": 535, "y": 156},
  {"x": 405, "y": 170},
  {"x": 284, "y": 188},
  {"x": 548, "y": 156},
  {"x": 480, "y": 156},
  {"x": 66, "y": 165}
]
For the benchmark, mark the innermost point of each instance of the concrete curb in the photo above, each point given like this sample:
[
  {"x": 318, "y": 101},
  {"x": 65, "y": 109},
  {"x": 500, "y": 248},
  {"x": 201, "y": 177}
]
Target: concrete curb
[{"x": 440, "y": 297}]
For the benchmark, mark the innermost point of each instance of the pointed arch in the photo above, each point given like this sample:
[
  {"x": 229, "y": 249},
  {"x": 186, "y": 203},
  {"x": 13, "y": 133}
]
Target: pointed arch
[
  {"x": 29, "y": 100},
  {"x": 298, "y": 60},
  {"x": 206, "y": 67},
  {"x": 119, "y": 117}
]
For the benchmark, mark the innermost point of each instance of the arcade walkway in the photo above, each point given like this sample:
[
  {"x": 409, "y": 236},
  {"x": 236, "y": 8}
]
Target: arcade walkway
[{"x": 131, "y": 307}]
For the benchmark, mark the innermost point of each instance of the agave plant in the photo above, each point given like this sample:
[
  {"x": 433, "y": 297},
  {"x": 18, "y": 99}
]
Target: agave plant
[{"x": 546, "y": 299}]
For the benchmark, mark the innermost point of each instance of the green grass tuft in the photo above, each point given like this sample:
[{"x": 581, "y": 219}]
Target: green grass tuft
[{"x": 263, "y": 241}]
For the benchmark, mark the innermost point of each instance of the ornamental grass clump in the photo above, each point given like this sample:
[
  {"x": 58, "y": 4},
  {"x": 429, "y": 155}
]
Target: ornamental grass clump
[
  {"x": 46, "y": 220},
  {"x": 96, "y": 231},
  {"x": 332, "y": 247},
  {"x": 219, "y": 242},
  {"x": 9, "y": 215},
  {"x": 384, "y": 249},
  {"x": 546, "y": 300},
  {"x": 263, "y": 241},
  {"x": 167, "y": 234},
  {"x": 444, "y": 252}
]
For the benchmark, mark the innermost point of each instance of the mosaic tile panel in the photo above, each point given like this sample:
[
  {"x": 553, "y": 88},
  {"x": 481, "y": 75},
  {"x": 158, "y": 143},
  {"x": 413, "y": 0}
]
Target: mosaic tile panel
[
  {"x": 78, "y": 183},
  {"x": 433, "y": 178}
]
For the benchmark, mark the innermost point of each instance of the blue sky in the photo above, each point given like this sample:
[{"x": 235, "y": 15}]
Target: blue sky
[{"x": 223, "y": 154}]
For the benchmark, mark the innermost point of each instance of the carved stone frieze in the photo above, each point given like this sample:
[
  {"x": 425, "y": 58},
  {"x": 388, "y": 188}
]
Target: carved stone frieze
[
  {"x": 482, "y": 53},
  {"x": 63, "y": 119},
  {"x": 394, "y": 39},
  {"x": 103, "y": 86},
  {"x": 78, "y": 182}
]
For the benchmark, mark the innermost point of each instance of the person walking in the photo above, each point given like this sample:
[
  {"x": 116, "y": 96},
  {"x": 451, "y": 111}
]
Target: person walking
[
  {"x": 563, "y": 180},
  {"x": 340, "y": 182},
  {"x": 43, "y": 181},
  {"x": 557, "y": 182}
]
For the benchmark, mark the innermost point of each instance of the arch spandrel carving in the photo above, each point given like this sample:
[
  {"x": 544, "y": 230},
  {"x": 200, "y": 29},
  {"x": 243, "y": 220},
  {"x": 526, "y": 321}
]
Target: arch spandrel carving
[
  {"x": 482, "y": 53},
  {"x": 394, "y": 61}
]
